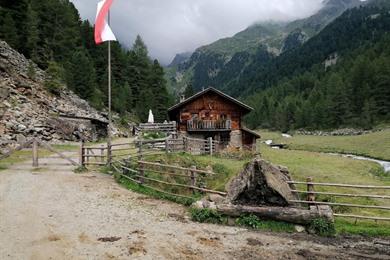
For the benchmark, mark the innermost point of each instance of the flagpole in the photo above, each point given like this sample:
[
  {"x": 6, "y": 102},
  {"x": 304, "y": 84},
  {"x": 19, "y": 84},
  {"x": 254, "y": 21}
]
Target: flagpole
[{"x": 109, "y": 101}]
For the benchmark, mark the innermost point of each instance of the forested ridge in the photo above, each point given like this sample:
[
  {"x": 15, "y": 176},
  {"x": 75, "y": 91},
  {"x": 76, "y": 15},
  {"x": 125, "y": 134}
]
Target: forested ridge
[
  {"x": 296, "y": 90},
  {"x": 52, "y": 34}
]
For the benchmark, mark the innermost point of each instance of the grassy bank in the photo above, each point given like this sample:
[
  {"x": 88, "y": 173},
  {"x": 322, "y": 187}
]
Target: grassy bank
[{"x": 374, "y": 145}]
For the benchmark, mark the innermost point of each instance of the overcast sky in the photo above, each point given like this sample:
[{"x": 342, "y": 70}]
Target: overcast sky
[{"x": 174, "y": 26}]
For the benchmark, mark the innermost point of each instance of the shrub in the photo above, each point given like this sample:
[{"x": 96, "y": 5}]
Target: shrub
[
  {"x": 322, "y": 227},
  {"x": 207, "y": 216},
  {"x": 80, "y": 169},
  {"x": 249, "y": 221},
  {"x": 254, "y": 222}
]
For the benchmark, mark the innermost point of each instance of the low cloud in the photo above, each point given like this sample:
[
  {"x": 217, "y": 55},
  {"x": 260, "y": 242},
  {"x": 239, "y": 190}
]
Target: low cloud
[{"x": 173, "y": 26}]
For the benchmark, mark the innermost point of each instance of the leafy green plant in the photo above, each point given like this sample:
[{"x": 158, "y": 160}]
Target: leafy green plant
[
  {"x": 249, "y": 221},
  {"x": 80, "y": 169},
  {"x": 153, "y": 135},
  {"x": 322, "y": 227},
  {"x": 252, "y": 221},
  {"x": 31, "y": 73},
  {"x": 207, "y": 216}
]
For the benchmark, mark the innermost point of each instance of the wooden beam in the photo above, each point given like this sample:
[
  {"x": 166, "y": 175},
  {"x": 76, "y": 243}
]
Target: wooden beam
[
  {"x": 341, "y": 185},
  {"x": 340, "y": 204},
  {"x": 287, "y": 214},
  {"x": 344, "y": 194}
]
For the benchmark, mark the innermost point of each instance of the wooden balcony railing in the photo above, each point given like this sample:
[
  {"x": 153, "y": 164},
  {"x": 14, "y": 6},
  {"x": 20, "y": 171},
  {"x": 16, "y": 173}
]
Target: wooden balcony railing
[{"x": 207, "y": 125}]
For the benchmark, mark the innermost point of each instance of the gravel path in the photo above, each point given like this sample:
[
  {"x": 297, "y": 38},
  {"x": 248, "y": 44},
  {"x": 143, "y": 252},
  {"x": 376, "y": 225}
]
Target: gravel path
[{"x": 53, "y": 213}]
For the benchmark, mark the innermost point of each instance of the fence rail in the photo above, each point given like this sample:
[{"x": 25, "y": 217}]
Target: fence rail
[
  {"x": 141, "y": 172},
  {"x": 169, "y": 127},
  {"x": 146, "y": 147},
  {"x": 311, "y": 197}
]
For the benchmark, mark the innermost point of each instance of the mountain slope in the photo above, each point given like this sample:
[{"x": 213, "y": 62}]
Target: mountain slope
[
  {"x": 349, "y": 31},
  {"x": 221, "y": 63},
  {"x": 28, "y": 109},
  {"x": 339, "y": 78}
]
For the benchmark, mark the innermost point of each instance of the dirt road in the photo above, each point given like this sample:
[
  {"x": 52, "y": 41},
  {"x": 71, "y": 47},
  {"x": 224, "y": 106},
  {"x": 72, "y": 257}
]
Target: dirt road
[{"x": 53, "y": 213}]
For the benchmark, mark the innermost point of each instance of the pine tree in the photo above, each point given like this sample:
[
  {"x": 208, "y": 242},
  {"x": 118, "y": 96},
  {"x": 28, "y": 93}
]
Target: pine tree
[
  {"x": 189, "y": 91},
  {"x": 8, "y": 31},
  {"x": 81, "y": 75},
  {"x": 337, "y": 101},
  {"x": 32, "y": 34},
  {"x": 55, "y": 78},
  {"x": 157, "y": 84}
]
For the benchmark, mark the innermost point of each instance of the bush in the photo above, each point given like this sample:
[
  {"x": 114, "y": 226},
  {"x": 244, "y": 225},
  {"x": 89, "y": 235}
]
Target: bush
[
  {"x": 322, "y": 227},
  {"x": 254, "y": 222},
  {"x": 207, "y": 216},
  {"x": 249, "y": 221},
  {"x": 153, "y": 135},
  {"x": 55, "y": 78},
  {"x": 80, "y": 169}
]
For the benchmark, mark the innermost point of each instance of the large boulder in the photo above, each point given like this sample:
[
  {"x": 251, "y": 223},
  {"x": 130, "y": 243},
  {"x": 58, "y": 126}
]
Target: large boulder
[{"x": 261, "y": 183}]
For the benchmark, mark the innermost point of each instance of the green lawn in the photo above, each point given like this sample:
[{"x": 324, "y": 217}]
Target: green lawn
[
  {"x": 374, "y": 145},
  {"x": 322, "y": 168}
]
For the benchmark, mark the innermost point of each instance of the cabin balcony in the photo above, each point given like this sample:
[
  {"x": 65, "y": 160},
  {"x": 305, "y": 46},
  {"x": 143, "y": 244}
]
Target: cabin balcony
[{"x": 209, "y": 125}]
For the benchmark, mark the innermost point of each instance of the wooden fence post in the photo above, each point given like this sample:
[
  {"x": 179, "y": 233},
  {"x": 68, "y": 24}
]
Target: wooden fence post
[
  {"x": 210, "y": 145},
  {"x": 140, "y": 164},
  {"x": 87, "y": 151},
  {"x": 35, "y": 153},
  {"x": 185, "y": 144},
  {"x": 109, "y": 154},
  {"x": 102, "y": 153},
  {"x": 81, "y": 152},
  {"x": 166, "y": 145},
  {"x": 310, "y": 189},
  {"x": 193, "y": 178}
]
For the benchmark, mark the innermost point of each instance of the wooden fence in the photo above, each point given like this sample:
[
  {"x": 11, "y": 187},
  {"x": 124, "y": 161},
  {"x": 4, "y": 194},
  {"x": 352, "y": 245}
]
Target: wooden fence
[
  {"x": 102, "y": 155},
  {"x": 169, "y": 127},
  {"x": 375, "y": 201},
  {"x": 173, "y": 180}
]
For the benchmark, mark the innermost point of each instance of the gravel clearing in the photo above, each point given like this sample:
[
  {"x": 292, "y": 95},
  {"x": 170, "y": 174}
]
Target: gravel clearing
[{"x": 53, "y": 213}]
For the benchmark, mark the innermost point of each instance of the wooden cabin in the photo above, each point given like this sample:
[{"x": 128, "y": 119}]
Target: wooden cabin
[{"x": 212, "y": 113}]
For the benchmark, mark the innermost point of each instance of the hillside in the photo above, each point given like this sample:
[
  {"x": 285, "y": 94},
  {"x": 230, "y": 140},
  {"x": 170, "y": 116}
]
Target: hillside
[
  {"x": 52, "y": 34},
  {"x": 338, "y": 78},
  {"x": 221, "y": 63},
  {"x": 27, "y": 109}
]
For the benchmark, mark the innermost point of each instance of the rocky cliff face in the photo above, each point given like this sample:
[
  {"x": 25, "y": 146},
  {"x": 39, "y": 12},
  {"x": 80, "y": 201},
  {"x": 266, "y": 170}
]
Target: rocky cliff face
[{"x": 27, "y": 109}]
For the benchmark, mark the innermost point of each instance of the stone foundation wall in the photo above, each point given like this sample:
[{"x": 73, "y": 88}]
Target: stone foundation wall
[{"x": 236, "y": 138}]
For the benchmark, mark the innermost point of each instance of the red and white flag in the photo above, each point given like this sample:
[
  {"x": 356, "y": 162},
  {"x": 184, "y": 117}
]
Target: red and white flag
[{"x": 103, "y": 31}]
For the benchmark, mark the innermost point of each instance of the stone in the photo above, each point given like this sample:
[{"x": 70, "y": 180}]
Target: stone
[
  {"x": 261, "y": 183},
  {"x": 20, "y": 139},
  {"x": 216, "y": 198},
  {"x": 197, "y": 205},
  {"x": 21, "y": 127},
  {"x": 299, "y": 228}
]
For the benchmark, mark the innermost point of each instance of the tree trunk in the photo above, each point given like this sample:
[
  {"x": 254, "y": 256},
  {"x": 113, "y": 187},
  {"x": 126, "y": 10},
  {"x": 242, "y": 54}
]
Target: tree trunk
[{"x": 287, "y": 214}]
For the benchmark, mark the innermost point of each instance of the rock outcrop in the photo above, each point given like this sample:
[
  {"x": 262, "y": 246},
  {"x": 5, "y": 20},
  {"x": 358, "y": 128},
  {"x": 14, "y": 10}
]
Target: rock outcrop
[
  {"x": 27, "y": 109},
  {"x": 262, "y": 189},
  {"x": 261, "y": 183}
]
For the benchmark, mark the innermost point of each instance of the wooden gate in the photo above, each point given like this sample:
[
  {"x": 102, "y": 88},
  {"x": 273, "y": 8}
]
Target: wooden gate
[{"x": 34, "y": 144}]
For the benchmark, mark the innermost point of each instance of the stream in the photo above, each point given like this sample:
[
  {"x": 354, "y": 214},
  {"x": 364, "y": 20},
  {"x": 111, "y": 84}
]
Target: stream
[{"x": 384, "y": 164}]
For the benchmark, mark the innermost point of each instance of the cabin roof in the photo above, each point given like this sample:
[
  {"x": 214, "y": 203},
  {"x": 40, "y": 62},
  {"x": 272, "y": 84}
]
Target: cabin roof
[
  {"x": 208, "y": 90},
  {"x": 251, "y": 132}
]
